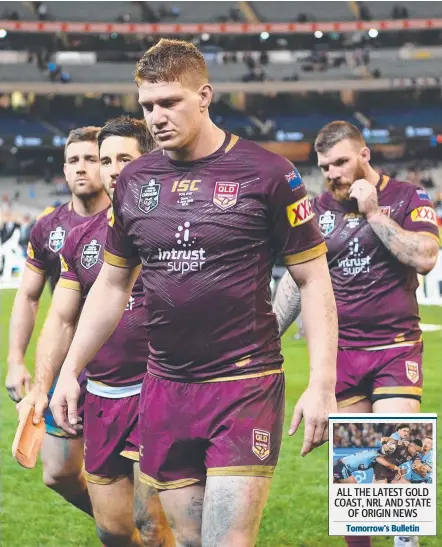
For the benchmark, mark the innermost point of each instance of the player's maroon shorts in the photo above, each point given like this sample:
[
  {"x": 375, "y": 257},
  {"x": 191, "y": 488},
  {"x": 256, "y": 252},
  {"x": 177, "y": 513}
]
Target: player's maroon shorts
[
  {"x": 189, "y": 431},
  {"x": 379, "y": 374},
  {"x": 111, "y": 437}
]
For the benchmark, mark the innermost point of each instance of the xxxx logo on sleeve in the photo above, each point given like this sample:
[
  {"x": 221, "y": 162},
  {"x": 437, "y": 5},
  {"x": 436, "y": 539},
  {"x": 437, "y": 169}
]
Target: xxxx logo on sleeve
[
  {"x": 299, "y": 212},
  {"x": 424, "y": 214}
]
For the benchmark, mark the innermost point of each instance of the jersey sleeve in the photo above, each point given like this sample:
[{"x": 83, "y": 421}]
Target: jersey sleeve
[
  {"x": 420, "y": 215},
  {"x": 68, "y": 271},
  {"x": 293, "y": 225},
  {"x": 120, "y": 250},
  {"x": 36, "y": 252}
]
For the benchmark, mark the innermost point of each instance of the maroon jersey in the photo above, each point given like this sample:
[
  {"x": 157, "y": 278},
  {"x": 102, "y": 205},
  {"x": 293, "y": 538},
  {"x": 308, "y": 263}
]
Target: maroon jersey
[
  {"x": 206, "y": 233},
  {"x": 123, "y": 358},
  {"x": 375, "y": 293},
  {"x": 47, "y": 239}
]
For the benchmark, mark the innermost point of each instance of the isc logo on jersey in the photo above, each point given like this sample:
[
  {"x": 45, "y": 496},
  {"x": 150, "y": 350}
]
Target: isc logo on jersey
[
  {"x": 299, "y": 212},
  {"x": 185, "y": 257}
]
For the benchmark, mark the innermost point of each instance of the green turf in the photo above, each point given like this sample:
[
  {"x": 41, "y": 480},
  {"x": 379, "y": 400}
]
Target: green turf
[{"x": 297, "y": 511}]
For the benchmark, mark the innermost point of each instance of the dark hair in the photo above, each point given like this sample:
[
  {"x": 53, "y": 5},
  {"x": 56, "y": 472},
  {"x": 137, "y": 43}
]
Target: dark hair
[
  {"x": 428, "y": 437},
  {"x": 417, "y": 442},
  {"x": 172, "y": 61},
  {"x": 401, "y": 426},
  {"x": 82, "y": 134},
  {"x": 127, "y": 127},
  {"x": 335, "y": 132}
]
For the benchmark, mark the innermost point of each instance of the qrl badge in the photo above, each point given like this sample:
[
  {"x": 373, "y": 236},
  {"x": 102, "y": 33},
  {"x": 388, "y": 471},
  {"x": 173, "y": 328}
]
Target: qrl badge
[
  {"x": 149, "y": 196},
  {"x": 261, "y": 443},
  {"x": 90, "y": 254},
  {"x": 327, "y": 222},
  {"x": 56, "y": 239},
  {"x": 225, "y": 194},
  {"x": 412, "y": 370}
]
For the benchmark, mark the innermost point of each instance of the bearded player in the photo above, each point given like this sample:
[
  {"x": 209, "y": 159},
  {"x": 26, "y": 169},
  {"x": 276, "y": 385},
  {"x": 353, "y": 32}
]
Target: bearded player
[
  {"x": 115, "y": 374},
  {"x": 380, "y": 234},
  {"x": 205, "y": 215},
  {"x": 62, "y": 457}
]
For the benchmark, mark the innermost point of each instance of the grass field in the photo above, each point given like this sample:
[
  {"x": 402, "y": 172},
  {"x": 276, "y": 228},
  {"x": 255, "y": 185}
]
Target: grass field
[{"x": 297, "y": 511}]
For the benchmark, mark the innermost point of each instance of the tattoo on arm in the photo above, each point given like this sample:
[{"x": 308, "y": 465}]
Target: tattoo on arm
[
  {"x": 287, "y": 302},
  {"x": 410, "y": 248}
]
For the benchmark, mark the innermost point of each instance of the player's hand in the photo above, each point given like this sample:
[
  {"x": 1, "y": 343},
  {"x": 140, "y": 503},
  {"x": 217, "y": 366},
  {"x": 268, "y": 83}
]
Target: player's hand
[
  {"x": 366, "y": 196},
  {"x": 18, "y": 381},
  {"x": 314, "y": 406},
  {"x": 37, "y": 399},
  {"x": 64, "y": 404}
]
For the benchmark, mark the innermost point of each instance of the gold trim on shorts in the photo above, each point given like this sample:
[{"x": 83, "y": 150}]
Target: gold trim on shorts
[
  {"x": 69, "y": 284},
  {"x": 169, "y": 485},
  {"x": 131, "y": 455},
  {"x": 96, "y": 479},
  {"x": 119, "y": 261},
  {"x": 398, "y": 344},
  {"x": 241, "y": 376},
  {"x": 34, "y": 268},
  {"x": 399, "y": 390},
  {"x": 351, "y": 400},
  {"x": 242, "y": 471},
  {"x": 305, "y": 256}
]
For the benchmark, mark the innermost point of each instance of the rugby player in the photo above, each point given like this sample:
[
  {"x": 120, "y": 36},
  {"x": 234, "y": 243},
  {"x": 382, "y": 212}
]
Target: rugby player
[
  {"x": 401, "y": 453},
  {"x": 401, "y": 433},
  {"x": 62, "y": 457},
  {"x": 380, "y": 234},
  {"x": 115, "y": 374},
  {"x": 205, "y": 215},
  {"x": 344, "y": 468},
  {"x": 422, "y": 467}
]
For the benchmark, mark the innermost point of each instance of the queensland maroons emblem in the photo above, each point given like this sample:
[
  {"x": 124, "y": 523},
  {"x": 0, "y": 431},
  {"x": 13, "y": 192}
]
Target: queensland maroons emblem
[
  {"x": 261, "y": 443},
  {"x": 225, "y": 194}
]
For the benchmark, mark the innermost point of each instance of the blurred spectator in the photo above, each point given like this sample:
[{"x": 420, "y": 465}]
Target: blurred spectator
[
  {"x": 235, "y": 14},
  {"x": 42, "y": 11},
  {"x": 364, "y": 13},
  {"x": 370, "y": 435}
]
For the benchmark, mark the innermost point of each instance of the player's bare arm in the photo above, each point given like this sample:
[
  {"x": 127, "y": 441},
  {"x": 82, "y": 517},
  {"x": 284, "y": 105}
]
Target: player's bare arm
[
  {"x": 21, "y": 328},
  {"x": 101, "y": 313},
  {"x": 421, "y": 468},
  {"x": 321, "y": 327},
  {"x": 417, "y": 250},
  {"x": 53, "y": 345},
  {"x": 287, "y": 302}
]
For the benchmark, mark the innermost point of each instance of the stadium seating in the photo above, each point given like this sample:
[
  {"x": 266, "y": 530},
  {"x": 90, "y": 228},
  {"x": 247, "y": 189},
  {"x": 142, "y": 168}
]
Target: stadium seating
[
  {"x": 416, "y": 10},
  {"x": 196, "y": 12},
  {"x": 291, "y": 11},
  {"x": 93, "y": 11},
  {"x": 22, "y": 9}
]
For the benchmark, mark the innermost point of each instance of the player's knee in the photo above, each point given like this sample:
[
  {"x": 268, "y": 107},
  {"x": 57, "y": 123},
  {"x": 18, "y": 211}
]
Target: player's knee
[
  {"x": 153, "y": 532},
  {"x": 115, "y": 536},
  {"x": 186, "y": 537},
  {"x": 61, "y": 478}
]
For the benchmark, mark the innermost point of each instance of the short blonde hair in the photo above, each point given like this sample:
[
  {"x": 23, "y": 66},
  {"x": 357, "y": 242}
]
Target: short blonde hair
[
  {"x": 335, "y": 132},
  {"x": 82, "y": 134},
  {"x": 172, "y": 61}
]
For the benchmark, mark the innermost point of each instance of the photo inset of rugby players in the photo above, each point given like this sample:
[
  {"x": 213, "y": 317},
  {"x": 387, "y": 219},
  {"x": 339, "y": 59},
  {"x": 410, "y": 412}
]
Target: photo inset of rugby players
[
  {"x": 395, "y": 453},
  {"x": 197, "y": 222}
]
